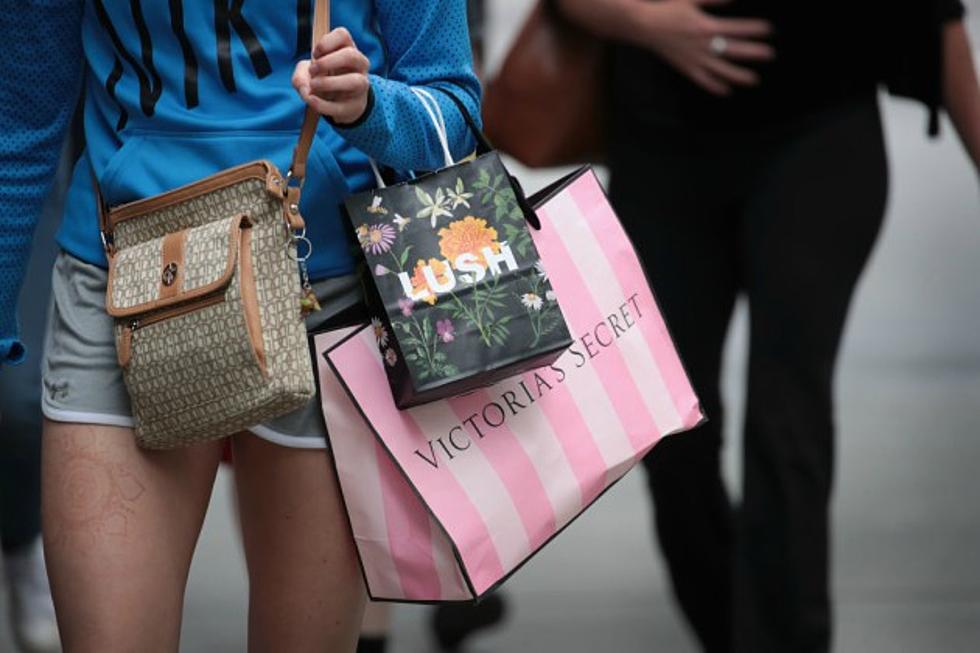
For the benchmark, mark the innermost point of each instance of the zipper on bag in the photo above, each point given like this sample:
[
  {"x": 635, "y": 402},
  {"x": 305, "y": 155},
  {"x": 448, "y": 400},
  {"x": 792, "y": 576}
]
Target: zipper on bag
[{"x": 126, "y": 337}]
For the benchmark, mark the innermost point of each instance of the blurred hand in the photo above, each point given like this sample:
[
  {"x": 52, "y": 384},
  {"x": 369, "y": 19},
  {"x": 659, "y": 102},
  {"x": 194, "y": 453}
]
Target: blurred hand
[
  {"x": 335, "y": 82},
  {"x": 701, "y": 46}
]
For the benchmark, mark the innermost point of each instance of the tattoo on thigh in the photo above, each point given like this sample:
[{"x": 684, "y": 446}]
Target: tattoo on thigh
[{"x": 97, "y": 493}]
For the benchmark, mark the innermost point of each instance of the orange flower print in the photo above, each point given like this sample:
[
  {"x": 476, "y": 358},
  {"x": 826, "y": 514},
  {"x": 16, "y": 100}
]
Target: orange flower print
[
  {"x": 468, "y": 236},
  {"x": 440, "y": 271}
]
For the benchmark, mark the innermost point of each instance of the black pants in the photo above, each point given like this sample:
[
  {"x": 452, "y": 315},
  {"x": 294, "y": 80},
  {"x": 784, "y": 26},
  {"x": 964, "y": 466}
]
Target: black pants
[{"x": 788, "y": 216}]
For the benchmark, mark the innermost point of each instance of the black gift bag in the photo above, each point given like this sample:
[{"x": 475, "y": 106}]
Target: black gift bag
[{"x": 458, "y": 295}]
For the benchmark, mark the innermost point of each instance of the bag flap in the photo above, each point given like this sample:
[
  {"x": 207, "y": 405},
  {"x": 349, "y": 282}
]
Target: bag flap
[{"x": 176, "y": 268}]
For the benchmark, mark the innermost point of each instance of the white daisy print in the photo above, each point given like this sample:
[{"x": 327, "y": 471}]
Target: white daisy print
[
  {"x": 539, "y": 267},
  {"x": 532, "y": 301}
]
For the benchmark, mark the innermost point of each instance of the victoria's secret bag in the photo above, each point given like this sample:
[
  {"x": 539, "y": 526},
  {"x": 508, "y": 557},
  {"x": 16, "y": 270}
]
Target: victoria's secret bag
[{"x": 205, "y": 289}]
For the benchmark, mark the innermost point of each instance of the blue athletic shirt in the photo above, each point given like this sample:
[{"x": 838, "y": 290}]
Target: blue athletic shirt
[{"x": 178, "y": 90}]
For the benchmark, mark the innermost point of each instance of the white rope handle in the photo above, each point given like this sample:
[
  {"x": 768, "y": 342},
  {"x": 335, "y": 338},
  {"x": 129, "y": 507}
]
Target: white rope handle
[
  {"x": 438, "y": 121},
  {"x": 377, "y": 174},
  {"x": 432, "y": 108}
]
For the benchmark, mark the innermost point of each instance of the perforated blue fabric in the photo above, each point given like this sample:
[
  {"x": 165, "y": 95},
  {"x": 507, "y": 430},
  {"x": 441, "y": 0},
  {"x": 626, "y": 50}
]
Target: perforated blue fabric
[
  {"x": 136, "y": 55},
  {"x": 39, "y": 82},
  {"x": 423, "y": 41}
]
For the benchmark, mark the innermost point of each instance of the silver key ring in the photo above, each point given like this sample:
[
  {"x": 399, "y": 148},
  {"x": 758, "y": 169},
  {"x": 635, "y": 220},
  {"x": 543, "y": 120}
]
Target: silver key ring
[{"x": 309, "y": 248}]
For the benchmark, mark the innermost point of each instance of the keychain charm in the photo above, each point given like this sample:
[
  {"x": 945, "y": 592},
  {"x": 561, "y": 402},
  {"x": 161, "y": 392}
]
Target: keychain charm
[{"x": 308, "y": 303}]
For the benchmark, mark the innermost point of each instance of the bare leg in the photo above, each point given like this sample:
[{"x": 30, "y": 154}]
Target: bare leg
[
  {"x": 120, "y": 525},
  {"x": 306, "y": 592}
]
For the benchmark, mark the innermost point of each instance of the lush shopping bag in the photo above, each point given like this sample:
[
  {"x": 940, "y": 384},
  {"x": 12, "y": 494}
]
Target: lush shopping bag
[
  {"x": 449, "y": 498},
  {"x": 459, "y": 294}
]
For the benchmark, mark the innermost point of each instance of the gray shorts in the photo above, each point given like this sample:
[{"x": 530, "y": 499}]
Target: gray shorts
[{"x": 81, "y": 378}]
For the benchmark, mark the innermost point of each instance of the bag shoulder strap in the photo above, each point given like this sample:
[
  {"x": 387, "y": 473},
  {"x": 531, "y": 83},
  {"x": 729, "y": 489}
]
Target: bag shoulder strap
[{"x": 297, "y": 168}]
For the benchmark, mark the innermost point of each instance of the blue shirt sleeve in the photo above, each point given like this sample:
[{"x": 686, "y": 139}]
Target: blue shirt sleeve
[
  {"x": 40, "y": 77},
  {"x": 427, "y": 44}
]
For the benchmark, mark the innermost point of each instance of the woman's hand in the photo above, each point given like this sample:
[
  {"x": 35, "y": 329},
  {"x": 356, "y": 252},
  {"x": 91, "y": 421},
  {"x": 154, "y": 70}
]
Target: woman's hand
[
  {"x": 701, "y": 46},
  {"x": 335, "y": 82}
]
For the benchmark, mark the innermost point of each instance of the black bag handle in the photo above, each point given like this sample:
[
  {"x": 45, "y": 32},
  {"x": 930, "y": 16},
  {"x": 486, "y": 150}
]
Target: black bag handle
[{"x": 483, "y": 146}]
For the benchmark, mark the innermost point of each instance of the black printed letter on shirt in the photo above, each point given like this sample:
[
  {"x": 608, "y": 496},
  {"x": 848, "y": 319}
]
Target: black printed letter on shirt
[
  {"x": 150, "y": 85},
  {"x": 190, "y": 59},
  {"x": 110, "y": 87},
  {"x": 304, "y": 18},
  {"x": 226, "y": 18}
]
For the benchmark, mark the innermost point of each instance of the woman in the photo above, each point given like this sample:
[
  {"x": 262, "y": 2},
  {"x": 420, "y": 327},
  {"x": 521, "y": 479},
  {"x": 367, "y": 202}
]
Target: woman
[
  {"x": 176, "y": 91},
  {"x": 747, "y": 157}
]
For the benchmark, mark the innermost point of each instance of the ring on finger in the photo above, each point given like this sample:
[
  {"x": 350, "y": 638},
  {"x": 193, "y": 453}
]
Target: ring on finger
[{"x": 718, "y": 45}]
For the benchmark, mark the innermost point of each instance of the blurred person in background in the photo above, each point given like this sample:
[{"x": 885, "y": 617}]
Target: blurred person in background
[
  {"x": 32, "y": 618},
  {"x": 747, "y": 156}
]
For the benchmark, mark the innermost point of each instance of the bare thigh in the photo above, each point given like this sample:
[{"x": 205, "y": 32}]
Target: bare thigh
[
  {"x": 120, "y": 525},
  {"x": 305, "y": 586}
]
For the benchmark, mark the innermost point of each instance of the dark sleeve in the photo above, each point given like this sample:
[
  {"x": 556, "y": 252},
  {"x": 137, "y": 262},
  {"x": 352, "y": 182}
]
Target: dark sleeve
[
  {"x": 951, "y": 10},
  {"x": 913, "y": 66}
]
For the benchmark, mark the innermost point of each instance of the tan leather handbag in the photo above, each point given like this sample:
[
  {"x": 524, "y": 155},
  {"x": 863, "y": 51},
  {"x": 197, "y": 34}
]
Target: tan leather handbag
[
  {"x": 207, "y": 295},
  {"x": 545, "y": 107}
]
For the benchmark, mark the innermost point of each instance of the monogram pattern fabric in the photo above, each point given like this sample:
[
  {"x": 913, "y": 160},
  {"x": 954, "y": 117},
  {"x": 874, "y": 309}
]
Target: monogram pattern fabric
[
  {"x": 206, "y": 257},
  {"x": 248, "y": 197},
  {"x": 206, "y": 253},
  {"x": 196, "y": 375},
  {"x": 140, "y": 267}
]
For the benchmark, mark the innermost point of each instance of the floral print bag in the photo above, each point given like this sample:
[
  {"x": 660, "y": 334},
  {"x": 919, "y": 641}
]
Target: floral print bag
[{"x": 459, "y": 296}]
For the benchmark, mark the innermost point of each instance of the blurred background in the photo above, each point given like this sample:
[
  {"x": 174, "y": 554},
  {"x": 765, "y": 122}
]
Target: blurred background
[{"x": 906, "y": 551}]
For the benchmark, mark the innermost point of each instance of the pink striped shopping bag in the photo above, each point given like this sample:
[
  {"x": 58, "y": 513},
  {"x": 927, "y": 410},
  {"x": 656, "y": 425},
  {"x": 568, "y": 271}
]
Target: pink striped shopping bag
[{"x": 449, "y": 498}]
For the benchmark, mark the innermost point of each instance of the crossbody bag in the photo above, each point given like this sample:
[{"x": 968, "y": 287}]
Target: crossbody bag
[{"x": 208, "y": 296}]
